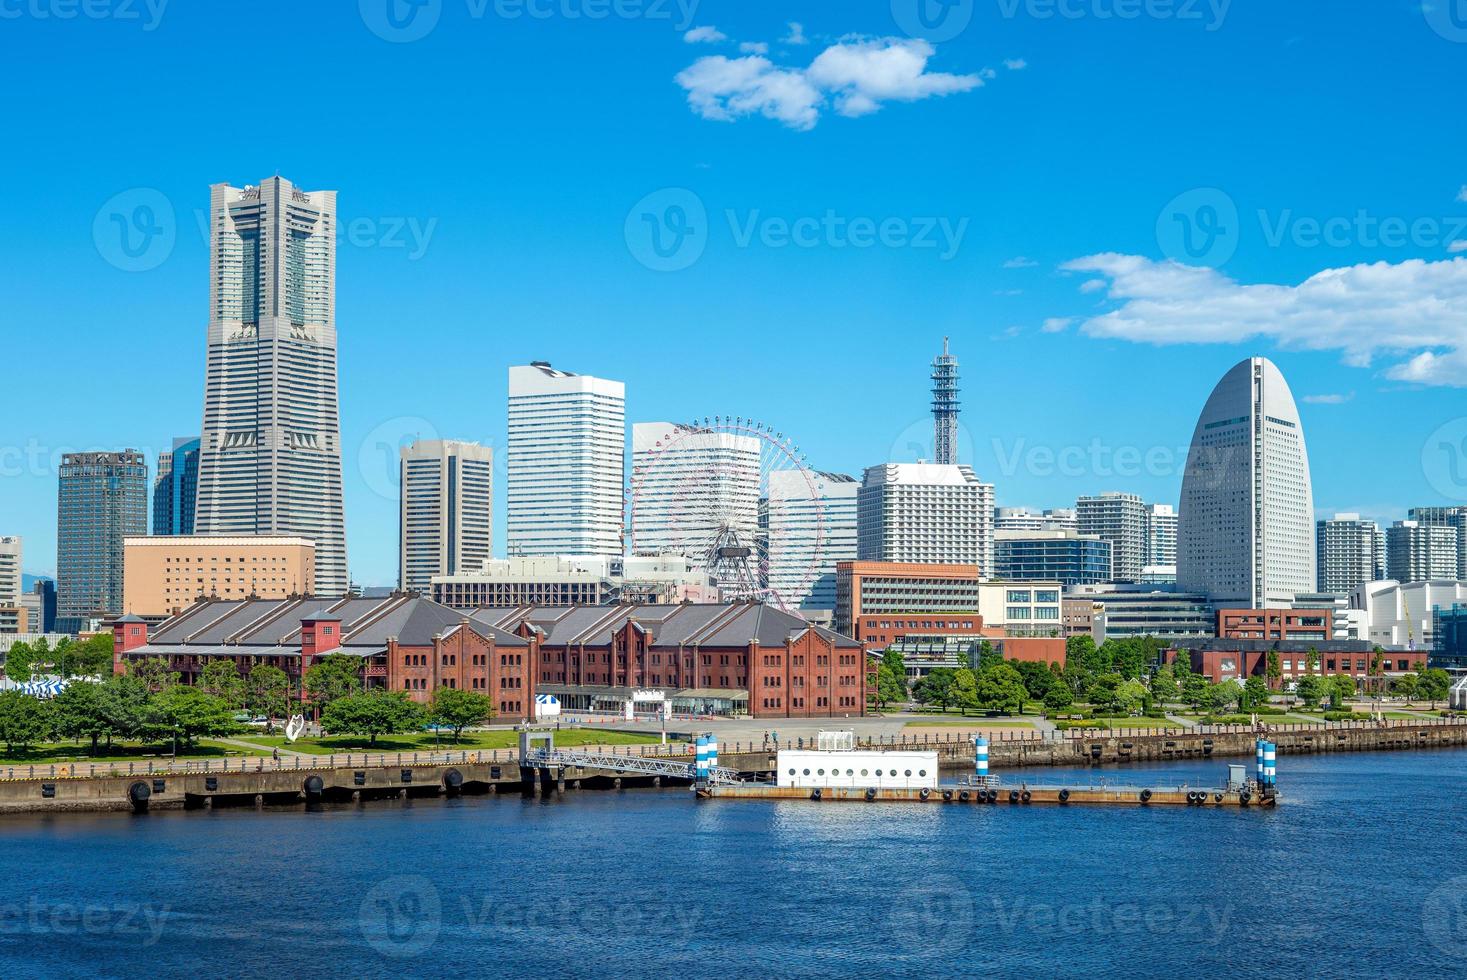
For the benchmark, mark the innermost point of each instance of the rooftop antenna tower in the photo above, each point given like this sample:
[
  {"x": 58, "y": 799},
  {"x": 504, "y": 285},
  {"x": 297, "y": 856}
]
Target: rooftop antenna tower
[{"x": 945, "y": 407}]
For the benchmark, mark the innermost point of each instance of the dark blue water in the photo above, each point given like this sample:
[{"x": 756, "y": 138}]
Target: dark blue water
[{"x": 1354, "y": 874}]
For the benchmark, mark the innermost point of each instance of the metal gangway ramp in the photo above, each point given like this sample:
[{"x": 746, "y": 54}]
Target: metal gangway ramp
[{"x": 550, "y": 757}]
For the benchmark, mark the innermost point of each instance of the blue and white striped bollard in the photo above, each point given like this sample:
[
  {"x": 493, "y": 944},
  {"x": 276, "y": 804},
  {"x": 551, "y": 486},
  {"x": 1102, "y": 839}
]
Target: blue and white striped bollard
[
  {"x": 701, "y": 758},
  {"x": 980, "y": 757},
  {"x": 1270, "y": 764}
]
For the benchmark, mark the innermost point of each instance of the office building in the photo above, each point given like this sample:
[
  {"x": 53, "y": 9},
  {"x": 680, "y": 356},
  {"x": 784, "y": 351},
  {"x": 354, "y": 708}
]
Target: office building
[
  {"x": 692, "y": 488},
  {"x": 926, "y": 513},
  {"x": 1121, "y": 611},
  {"x": 1417, "y": 552},
  {"x": 1228, "y": 659},
  {"x": 270, "y": 453},
  {"x": 1024, "y": 519},
  {"x": 1349, "y": 552},
  {"x": 1247, "y": 535},
  {"x": 867, "y": 589},
  {"x": 1161, "y": 535},
  {"x": 1403, "y": 614},
  {"x": 165, "y": 575},
  {"x": 1276, "y": 624},
  {"x": 945, "y": 408},
  {"x": 1449, "y": 641},
  {"x": 11, "y": 554},
  {"x": 40, "y": 606},
  {"x": 102, "y": 498},
  {"x": 587, "y": 580},
  {"x": 176, "y": 488},
  {"x": 1022, "y": 608},
  {"x": 1067, "y": 557},
  {"x": 811, "y": 530},
  {"x": 446, "y": 514},
  {"x": 1453, "y": 517},
  {"x": 565, "y": 463},
  {"x": 1346, "y": 622},
  {"x": 1120, "y": 519}
]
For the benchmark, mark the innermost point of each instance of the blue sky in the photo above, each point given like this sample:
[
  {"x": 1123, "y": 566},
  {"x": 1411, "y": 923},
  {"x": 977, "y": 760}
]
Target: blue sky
[{"x": 1017, "y": 174}]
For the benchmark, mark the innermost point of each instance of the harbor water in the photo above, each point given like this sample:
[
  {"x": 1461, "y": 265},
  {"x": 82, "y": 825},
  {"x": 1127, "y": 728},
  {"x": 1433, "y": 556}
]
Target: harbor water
[{"x": 1356, "y": 872}]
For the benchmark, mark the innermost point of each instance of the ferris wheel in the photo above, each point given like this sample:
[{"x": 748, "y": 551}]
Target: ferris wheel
[{"x": 735, "y": 497}]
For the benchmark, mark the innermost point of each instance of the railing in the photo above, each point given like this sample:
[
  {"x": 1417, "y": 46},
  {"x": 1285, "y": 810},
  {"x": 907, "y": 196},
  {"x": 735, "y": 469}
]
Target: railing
[{"x": 625, "y": 763}]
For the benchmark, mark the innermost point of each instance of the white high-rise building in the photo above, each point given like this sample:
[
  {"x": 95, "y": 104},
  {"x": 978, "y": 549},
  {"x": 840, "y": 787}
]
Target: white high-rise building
[
  {"x": 10, "y": 560},
  {"x": 1119, "y": 518},
  {"x": 1161, "y": 535},
  {"x": 270, "y": 455},
  {"x": 1024, "y": 519},
  {"x": 565, "y": 464},
  {"x": 1452, "y": 517},
  {"x": 811, "y": 528},
  {"x": 1417, "y": 552},
  {"x": 1247, "y": 510},
  {"x": 689, "y": 485},
  {"x": 1349, "y": 552},
  {"x": 925, "y": 512},
  {"x": 446, "y": 519}
]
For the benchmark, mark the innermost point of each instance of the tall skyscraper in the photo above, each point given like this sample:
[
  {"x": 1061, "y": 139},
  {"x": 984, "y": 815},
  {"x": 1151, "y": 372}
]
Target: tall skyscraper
[
  {"x": 1417, "y": 552},
  {"x": 447, "y": 512},
  {"x": 1453, "y": 517},
  {"x": 1161, "y": 535},
  {"x": 566, "y": 463},
  {"x": 1119, "y": 518},
  {"x": 689, "y": 485},
  {"x": 1349, "y": 552},
  {"x": 176, "y": 488},
  {"x": 925, "y": 512},
  {"x": 10, "y": 564},
  {"x": 101, "y": 499},
  {"x": 270, "y": 454},
  {"x": 1055, "y": 554},
  {"x": 811, "y": 529},
  {"x": 1247, "y": 510},
  {"x": 945, "y": 407}
]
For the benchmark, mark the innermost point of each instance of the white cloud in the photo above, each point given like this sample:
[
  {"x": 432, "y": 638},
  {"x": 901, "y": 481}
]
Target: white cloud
[
  {"x": 796, "y": 34},
  {"x": 1462, "y": 194},
  {"x": 705, "y": 35},
  {"x": 1413, "y": 312},
  {"x": 987, "y": 73},
  {"x": 1015, "y": 64},
  {"x": 1330, "y": 399},
  {"x": 754, "y": 47},
  {"x": 1056, "y": 324},
  {"x": 1460, "y": 245},
  {"x": 1019, "y": 262},
  {"x": 858, "y": 76}
]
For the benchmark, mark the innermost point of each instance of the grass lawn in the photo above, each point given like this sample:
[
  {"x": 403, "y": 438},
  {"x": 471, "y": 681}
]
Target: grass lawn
[
  {"x": 424, "y": 741},
  {"x": 68, "y": 752},
  {"x": 975, "y": 722},
  {"x": 1117, "y": 723}
]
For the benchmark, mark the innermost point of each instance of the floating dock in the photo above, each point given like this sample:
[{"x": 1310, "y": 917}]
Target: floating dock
[{"x": 1003, "y": 795}]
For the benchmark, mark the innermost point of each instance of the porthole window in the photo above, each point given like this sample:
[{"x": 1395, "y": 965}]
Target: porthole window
[
  {"x": 878, "y": 772},
  {"x": 850, "y": 772},
  {"x": 863, "y": 772},
  {"x": 921, "y": 772},
  {"x": 807, "y": 772},
  {"x": 820, "y": 772},
  {"x": 909, "y": 772},
  {"x": 792, "y": 772}
]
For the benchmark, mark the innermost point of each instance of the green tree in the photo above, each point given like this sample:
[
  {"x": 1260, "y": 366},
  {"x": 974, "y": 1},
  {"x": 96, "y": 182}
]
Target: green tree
[
  {"x": 25, "y": 720},
  {"x": 1311, "y": 690},
  {"x": 374, "y": 713},
  {"x": 891, "y": 687},
  {"x": 1195, "y": 690},
  {"x": 1127, "y": 657},
  {"x": 936, "y": 688},
  {"x": 965, "y": 690},
  {"x": 333, "y": 677},
  {"x": 456, "y": 708},
  {"x": 987, "y": 656},
  {"x": 1001, "y": 688},
  {"x": 1255, "y": 693},
  {"x": 1038, "y": 678},
  {"x": 267, "y": 693},
  {"x": 1433, "y": 683},
  {"x": 1222, "y": 697},
  {"x": 79, "y": 712},
  {"x": 1341, "y": 689},
  {"x": 125, "y": 707},
  {"x": 221, "y": 679},
  {"x": 1406, "y": 685},
  {"x": 18, "y": 662},
  {"x": 91, "y": 657},
  {"x": 154, "y": 673},
  {"x": 1059, "y": 698},
  {"x": 185, "y": 714},
  {"x": 1274, "y": 669},
  {"x": 1164, "y": 686},
  {"x": 1103, "y": 692},
  {"x": 1312, "y": 660}
]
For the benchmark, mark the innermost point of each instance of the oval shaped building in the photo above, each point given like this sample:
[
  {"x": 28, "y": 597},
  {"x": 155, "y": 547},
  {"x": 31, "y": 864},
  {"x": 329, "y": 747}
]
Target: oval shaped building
[{"x": 1246, "y": 534}]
